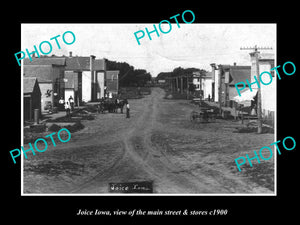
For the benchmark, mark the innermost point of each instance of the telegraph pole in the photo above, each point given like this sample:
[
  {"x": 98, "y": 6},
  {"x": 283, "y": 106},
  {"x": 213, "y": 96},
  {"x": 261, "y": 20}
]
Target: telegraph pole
[{"x": 259, "y": 111}]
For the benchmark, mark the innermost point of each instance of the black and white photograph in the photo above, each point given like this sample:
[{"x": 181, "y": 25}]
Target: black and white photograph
[{"x": 143, "y": 109}]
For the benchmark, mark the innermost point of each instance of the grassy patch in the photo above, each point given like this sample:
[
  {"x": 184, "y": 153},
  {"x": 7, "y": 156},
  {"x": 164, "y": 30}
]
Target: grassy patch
[
  {"x": 261, "y": 174},
  {"x": 30, "y": 137},
  {"x": 253, "y": 130}
]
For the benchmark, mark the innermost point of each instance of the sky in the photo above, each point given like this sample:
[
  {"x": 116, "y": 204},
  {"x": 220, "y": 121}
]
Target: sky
[{"x": 192, "y": 45}]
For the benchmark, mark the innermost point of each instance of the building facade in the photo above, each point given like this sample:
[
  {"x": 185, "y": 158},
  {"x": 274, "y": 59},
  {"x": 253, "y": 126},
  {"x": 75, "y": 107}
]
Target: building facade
[
  {"x": 50, "y": 76},
  {"x": 31, "y": 97},
  {"x": 231, "y": 75},
  {"x": 268, "y": 92},
  {"x": 203, "y": 84},
  {"x": 224, "y": 78},
  {"x": 84, "y": 78}
]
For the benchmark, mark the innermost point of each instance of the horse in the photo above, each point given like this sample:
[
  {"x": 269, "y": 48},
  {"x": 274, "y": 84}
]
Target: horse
[
  {"x": 111, "y": 105},
  {"x": 119, "y": 104},
  {"x": 103, "y": 106}
]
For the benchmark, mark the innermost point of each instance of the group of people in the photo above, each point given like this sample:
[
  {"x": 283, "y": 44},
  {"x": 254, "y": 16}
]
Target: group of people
[{"x": 68, "y": 105}]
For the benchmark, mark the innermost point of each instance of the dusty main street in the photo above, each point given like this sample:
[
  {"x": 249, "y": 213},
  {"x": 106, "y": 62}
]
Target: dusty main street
[{"x": 157, "y": 143}]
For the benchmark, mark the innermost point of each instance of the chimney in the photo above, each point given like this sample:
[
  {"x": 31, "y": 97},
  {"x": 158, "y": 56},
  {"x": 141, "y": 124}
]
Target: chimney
[
  {"x": 213, "y": 70},
  {"x": 92, "y": 58},
  {"x": 93, "y": 79},
  {"x": 70, "y": 54}
]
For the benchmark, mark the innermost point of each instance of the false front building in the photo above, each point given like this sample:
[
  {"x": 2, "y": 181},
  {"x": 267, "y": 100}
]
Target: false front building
[{"x": 85, "y": 78}]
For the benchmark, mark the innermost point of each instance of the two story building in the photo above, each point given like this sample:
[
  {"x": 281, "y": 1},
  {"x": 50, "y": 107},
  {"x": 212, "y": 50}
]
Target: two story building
[
  {"x": 85, "y": 78},
  {"x": 224, "y": 78}
]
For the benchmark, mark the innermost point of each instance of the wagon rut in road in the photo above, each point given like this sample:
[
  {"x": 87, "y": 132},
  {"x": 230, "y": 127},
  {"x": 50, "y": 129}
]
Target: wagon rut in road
[{"x": 139, "y": 145}]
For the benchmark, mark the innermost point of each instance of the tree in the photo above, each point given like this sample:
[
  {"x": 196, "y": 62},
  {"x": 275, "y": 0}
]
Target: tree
[
  {"x": 128, "y": 76},
  {"x": 178, "y": 71},
  {"x": 163, "y": 75}
]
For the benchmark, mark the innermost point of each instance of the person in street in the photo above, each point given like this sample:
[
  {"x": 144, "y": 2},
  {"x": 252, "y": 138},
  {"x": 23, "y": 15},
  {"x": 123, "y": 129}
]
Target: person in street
[
  {"x": 127, "y": 110},
  {"x": 61, "y": 103},
  {"x": 71, "y": 100},
  {"x": 67, "y": 108}
]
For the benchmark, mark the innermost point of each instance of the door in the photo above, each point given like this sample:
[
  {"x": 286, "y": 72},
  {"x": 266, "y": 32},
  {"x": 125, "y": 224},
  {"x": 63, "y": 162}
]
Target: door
[
  {"x": 27, "y": 108},
  {"x": 68, "y": 93}
]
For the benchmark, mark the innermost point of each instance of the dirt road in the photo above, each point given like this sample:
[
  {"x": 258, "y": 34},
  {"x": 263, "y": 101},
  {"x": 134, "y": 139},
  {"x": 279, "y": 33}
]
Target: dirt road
[{"x": 158, "y": 143}]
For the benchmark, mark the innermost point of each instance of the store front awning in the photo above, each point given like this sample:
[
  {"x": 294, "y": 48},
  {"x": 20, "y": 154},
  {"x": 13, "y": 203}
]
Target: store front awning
[{"x": 246, "y": 96}]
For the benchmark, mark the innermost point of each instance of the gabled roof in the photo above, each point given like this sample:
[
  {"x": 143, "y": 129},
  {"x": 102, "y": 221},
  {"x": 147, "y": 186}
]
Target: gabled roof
[
  {"x": 45, "y": 61},
  {"x": 239, "y": 74},
  {"x": 78, "y": 63},
  {"x": 224, "y": 66},
  {"x": 28, "y": 84},
  {"x": 71, "y": 63},
  {"x": 83, "y": 63},
  {"x": 44, "y": 73}
]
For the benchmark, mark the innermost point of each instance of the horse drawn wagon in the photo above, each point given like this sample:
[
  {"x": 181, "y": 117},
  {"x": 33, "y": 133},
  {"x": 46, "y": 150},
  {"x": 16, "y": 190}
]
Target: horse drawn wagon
[{"x": 111, "y": 105}]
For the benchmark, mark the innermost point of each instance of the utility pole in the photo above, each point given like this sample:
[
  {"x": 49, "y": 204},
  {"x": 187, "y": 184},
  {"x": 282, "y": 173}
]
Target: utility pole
[
  {"x": 259, "y": 111},
  {"x": 200, "y": 84},
  {"x": 220, "y": 71},
  {"x": 187, "y": 86}
]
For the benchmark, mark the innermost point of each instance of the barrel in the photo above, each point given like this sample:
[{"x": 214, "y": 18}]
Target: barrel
[{"x": 36, "y": 116}]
